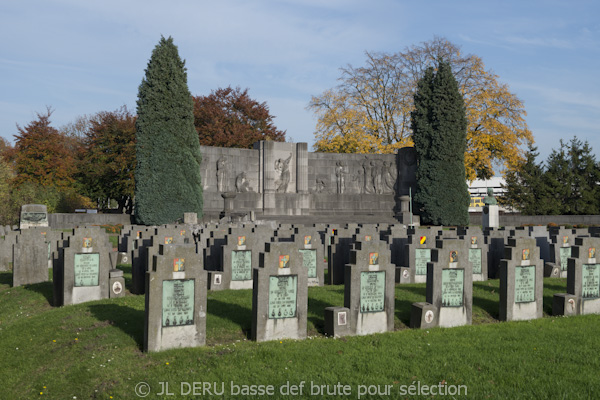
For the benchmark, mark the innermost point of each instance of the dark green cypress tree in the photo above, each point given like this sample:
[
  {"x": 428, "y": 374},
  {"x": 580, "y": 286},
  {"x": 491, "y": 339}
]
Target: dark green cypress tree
[
  {"x": 440, "y": 134},
  {"x": 167, "y": 178}
]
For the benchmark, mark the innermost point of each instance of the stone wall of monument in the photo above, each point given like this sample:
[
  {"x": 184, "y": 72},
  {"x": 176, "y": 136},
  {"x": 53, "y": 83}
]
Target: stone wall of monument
[{"x": 279, "y": 178}]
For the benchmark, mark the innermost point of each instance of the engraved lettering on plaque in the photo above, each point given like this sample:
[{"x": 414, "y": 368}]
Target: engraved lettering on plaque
[
  {"x": 241, "y": 265},
  {"x": 565, "y": 253},
  {"x": 309, "y": 261},
  {"x": 590, "y": 281},
  {"x": 422, "y": 257},
  {"x": 475, "y": 260},
  {"x": 87, "y": 269},
  {"x": 453, "y": 281},
  {"x": 284, "y": 261},
  {"x": 372, "y": 291},
  {"x": 524, "y": 284},
  {"x": 283, "y": 292},
  {"x": 178, "y": 302}
]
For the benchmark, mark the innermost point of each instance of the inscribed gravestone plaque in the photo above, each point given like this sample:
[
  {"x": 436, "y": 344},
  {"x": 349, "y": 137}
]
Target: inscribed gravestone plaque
[
  {"x": 178, "y": 302},
  {"x": 452, "y": 287},
  {"x": 525, "y": 284},
  {"x": 241, "y": 265},
  {"x": 372, "y": 291},
  {"x": 422, "y": 257},
  {"x": 87, "y": 269},
  {"x": 283, "y": 293},
  {"x": 590, "y": 281},
  {"x": 565, "y": 253},
  {"x": 475, "y": 260},
  {"x": 309, "y": 261}
]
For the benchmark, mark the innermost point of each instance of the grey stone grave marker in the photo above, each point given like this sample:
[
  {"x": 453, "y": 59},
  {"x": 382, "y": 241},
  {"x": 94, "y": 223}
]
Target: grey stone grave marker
[
  {"x": 30, "y": 257},
  {"x": 417, "y": 253},
  {"x": 560, "y": 252},
  {"x": 240, "y": 254},
  {"x": 478, "y": 252},
  {"x": 280, "y": 294},
  {"x": 309, "y": 242},
  {"x": 339, "y": 253},
  {"x": 583, "y": 280},
  {"x": 33, "y": 215},
  {"x": 175, "y": 313},
  {"x": 83, "y": 268},
  {"x": 6, "y": 250},
  {"x": 521, "y": 281},
  {"x": 369, "y": 288},
  {"x": 449, "y": 288}
]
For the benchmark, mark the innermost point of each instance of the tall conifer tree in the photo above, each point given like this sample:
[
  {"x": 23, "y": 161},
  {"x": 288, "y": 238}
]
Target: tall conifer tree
[
  {"x": 167, "y": 179},
  {"x": 439, "y": 126}
]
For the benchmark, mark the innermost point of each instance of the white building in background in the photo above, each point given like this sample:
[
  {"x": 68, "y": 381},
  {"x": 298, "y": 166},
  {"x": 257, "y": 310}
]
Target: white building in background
[{"x": 478, "y": 190}]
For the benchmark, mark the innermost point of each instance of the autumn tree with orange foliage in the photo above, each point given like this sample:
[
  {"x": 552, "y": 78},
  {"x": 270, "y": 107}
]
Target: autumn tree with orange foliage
[
  {"x": 230, "y": 118},
  {"x": 41, "y": 155},
  {"x": 369, "y": 111}
]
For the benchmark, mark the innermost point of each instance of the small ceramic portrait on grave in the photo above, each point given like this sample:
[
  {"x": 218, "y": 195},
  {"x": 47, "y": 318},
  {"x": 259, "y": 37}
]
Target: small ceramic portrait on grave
[
  {"x": 178, "y": 264},
  {"x": 307, "y": 240},
  {"x": 373, "y": 258},
  {"x": 284, "y": 261},
  {"x": 169, "y": 240},
  {"x": 87, "y": 243},
  {"x": 525, "y": 254},
  {"x": 473, "y": 240},
  {"x": 241, "y": 240},
  {"x": 592, "y": 252},
  {"x": 565, "y": 240},
  {"x": 454, "y": 256}
]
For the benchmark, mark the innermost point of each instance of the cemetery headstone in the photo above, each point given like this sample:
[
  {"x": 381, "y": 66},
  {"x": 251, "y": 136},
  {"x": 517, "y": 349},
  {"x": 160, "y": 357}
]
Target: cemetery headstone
[
  {"x": 240, "y": 254},
  {"x": 417, "y": 253},
  {"x": 30, "y": 257},
  {"x": 279, "y": 294},
  {"x": 309, "y": 242},
  {"x": 369, "y": 288},
  {"x": 521, "y": 281},
  {"x": 33, "y": 215},
  {"x": 583, "y": 280},
  {"x": 175, "y": 314}
]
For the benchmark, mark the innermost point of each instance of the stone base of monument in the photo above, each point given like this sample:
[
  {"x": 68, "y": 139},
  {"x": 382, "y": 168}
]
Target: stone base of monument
[
  {"x": 336, "y": 322},
  {"x": 123, "y": 258},
  {"x": 116, "y": 283},
  {"x": 564, "y": 304},
  {"x": 403, "y": 275},
  {"x": 551, "y": 270},
  {"x": 423, "y": 316}
]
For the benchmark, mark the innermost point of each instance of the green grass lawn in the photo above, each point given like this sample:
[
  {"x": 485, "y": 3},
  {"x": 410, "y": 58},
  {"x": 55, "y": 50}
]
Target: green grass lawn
[{"x": 93, "y": 351}]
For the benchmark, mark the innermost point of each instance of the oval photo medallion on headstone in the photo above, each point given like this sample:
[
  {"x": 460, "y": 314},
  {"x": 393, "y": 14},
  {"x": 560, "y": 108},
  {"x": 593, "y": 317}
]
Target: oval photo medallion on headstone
[
  {"x": 117, "y": 288},
  {"x": 429, "y": 316}
]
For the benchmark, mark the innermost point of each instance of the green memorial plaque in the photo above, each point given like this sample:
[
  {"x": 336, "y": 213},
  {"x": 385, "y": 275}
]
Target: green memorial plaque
[
  {"x": 590, "y": 281},
  {"x": 565, "y": 253},
  {"x": 453, "y": 282},
  {"x": 422, "y": 257},
  {"x": 525, "y": 284},
  {"x": 475, "y": 260},
  {"x": 283, "y": 291},
  {"x": 87, "y": 269},
  {"x": 372, "y": 291},
  {"x": 309, "y": 260},
  {"x": 178, "y": 302},
  {"x": 241, "y": 265}
]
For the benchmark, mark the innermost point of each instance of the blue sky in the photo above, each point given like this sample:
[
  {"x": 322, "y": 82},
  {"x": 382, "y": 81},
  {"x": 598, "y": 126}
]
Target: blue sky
[{"x": 82, "y": 57}]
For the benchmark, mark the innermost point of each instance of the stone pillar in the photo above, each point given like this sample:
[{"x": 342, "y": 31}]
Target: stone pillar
[
  {"x": 490, "y": 217},
  {"x": 302, "y": 168}
]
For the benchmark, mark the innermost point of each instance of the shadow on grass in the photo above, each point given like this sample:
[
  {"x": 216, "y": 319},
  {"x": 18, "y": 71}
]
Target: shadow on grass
[
  {"x": 46, "y": 289},
  {"x": 488, "y": 305},
  {"x": 127, "y": 319},
  {"x": 316, "y": 313},
  {"x": 237, "y": 314},
  {"x": 6, "y": 278}
]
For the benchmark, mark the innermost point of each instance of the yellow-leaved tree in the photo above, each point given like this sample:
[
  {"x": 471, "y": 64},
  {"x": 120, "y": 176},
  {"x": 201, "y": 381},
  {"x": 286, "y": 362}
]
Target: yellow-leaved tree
[{"x": 369, "y": 111}]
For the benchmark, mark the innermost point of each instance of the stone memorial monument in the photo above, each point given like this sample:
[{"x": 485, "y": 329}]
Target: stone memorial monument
[
  {"x": 30, "y": 257},
  {"x": 369, "y": 288},
  {"x": 175, "y": 313},
  {"x": 521, "y": 281},
  {"x": 583, "y": 280},
  {"x": 279, "y": 294},
  {"x": 490, "y": 217},
  {"x": 33, "y": 215}
]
